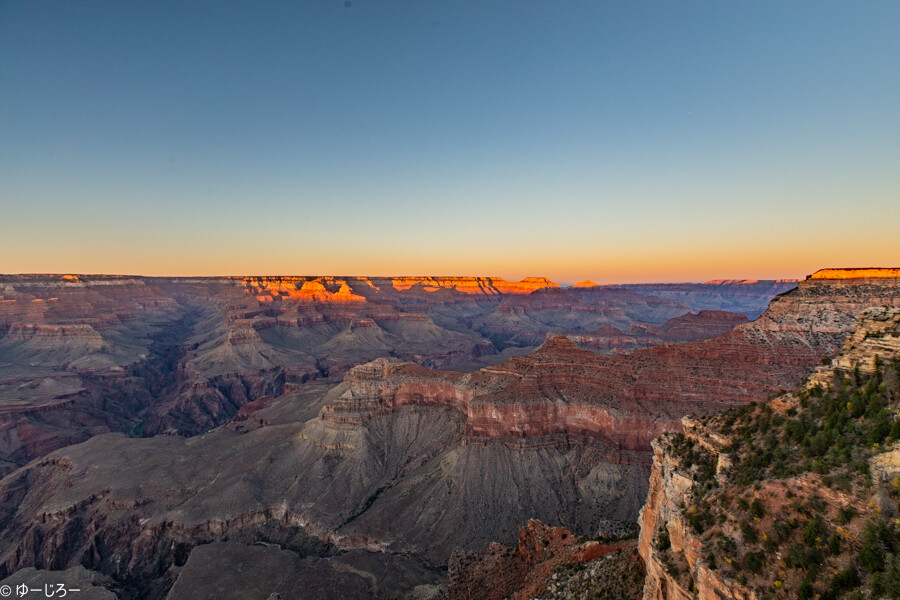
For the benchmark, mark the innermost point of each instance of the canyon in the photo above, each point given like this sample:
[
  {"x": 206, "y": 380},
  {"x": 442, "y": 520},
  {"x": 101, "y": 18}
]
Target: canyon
[
  {"x": 84, "y": 355},
  {"x": 747, "y": 504},
  {"x": 363, "y": 431}
]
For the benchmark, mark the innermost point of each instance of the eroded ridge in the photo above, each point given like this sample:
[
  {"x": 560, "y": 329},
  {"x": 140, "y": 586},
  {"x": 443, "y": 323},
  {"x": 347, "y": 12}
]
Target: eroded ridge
[{"x": 794, "y": 497}]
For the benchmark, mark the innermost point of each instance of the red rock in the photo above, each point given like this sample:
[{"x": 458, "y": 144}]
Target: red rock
[
  {"x": 522, "y": 572},
  {"x": 624, "y": 400}
]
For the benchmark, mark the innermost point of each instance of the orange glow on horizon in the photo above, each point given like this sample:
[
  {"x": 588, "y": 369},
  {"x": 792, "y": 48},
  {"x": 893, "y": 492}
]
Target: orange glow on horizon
[{"x": 855, "y": 273}]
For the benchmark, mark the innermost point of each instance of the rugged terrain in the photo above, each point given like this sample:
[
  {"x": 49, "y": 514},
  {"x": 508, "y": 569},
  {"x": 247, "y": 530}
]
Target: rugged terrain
[
  {"x": 547, "y": 562},
  {"x": 78, "y": 358},
  {"x": 792, "y": 498},
  {"x": 400, "y": 464},
  {"x": 734, "y": 295},
  {"x": 82, "y": 355}
]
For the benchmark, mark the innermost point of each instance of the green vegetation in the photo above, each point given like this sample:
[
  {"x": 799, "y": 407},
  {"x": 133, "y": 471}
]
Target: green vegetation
[
  {"x": 831, "y": 435},
  {"x": 662, "y": 540},
  {"x": 696, "y": 459},
  {"x": 753, "y": 561},
  {"x": 617, "y": 575}
]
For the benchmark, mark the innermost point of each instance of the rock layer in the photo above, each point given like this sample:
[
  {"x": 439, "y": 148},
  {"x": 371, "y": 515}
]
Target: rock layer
[
  {"x": 81, "y": 355},
  {"x": 399, "y": 460},
  {"x": 541, "y": 564},
  {"x": 692, "y": 555}
]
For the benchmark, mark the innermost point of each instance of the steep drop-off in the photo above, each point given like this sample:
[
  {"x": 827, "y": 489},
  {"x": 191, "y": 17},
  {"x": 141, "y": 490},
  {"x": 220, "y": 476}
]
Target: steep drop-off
[
  {"x": 82, "y": 355},
  {"x": 793, "y": 498},
  {"x": 404, "y": 462}
]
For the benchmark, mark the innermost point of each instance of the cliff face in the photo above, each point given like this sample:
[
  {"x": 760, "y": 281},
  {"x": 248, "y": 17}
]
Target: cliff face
[
  {"x": 626, "y": 400},
  {"x": 548, "y": 562},
  {"x": 398, "y": 460},
  {"x": 81, "y": 355},
  {"x": 740, "y": 296},
  {"x": 868, "y": 273},
  {"x": 781, "y": 499},
  {"x": 551, "y": 392},
  {"x": 689, "y": 327}
]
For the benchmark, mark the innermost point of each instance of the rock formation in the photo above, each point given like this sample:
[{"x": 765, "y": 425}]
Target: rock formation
[
  {"x": 548, "y": 562},
  {"x": 399, "y": 464},
  {"x": 82, "y": 355},
  {"x": 734, "y": 295},
  {"x": 868, "y": 273},
  {"x": 76, "y": 582},
  {"x": 773, "y": 500}
]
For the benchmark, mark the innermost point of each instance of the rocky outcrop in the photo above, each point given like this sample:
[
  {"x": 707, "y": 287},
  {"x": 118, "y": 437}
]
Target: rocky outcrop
[
  {"x": 875, "y": 336},
  {"x": 744, "y": 505},
  {"x": 321, "y": 289},
  {"x": 473, "y": 285},
  {"x": 689, "y": 327},
  {"x": 202, "y": 347},
  {"x": 553, "y": 392},
  {"x": 867, "y": 273},
  {"x": 398, "y": 459},
  {"x": 546, "y": 563},
  {"x": 526, "y": 320},
  {"x": 626, "y": 400},
  {"x": 266, "y": 571},
  {"x": 76, "y": 582},
  {"x": 79, "y": 356}
]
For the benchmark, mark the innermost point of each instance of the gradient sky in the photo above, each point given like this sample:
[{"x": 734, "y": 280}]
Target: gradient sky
[{"x": 617, "y": 141}]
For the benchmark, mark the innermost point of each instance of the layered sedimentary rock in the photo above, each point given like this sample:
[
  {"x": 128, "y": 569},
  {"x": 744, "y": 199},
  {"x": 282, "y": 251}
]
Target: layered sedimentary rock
[
  {"x": 80, "y": 355},
  {"x": 689, "y": 327},
  {"x": 867, "y": 273},
  {"x": 761, "y": 503},
  {"x": 75, "y": 582},
  {"x": 734, "y": 295},
  {"x": 545, "y": 564},
  {"x": 526, "y": 320},
  {"x": 224, "y": 570},
  {"x": 399, "y": 459},
  {"x": 471, "y": 285},
  {"x": 558, "y": 390},
  {"x": 561, "y": 388}
]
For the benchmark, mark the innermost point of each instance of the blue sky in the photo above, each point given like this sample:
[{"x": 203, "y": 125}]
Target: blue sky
[{"x": 604, "y": 140}]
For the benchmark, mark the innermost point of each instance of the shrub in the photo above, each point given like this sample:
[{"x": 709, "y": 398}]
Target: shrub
[
  {"x": 784, "y": 529},
  {"x": 834, "y": 544},
  {"x": 842, "y": 582},
  {"x": 876, "y": 543},
  {"x": 749, "y": 533},
  {"x": 814, "y": 530},
  {"x": 846, "y": 514},
  {"x": 805, "y": 591},
  {"x": 891, "y": 581},
  {"x": 800, "y": 556},
  {"x": 753, "y": 561},
  {"x": 662, "y": 540},
  {"x": 728, "y": 546}
]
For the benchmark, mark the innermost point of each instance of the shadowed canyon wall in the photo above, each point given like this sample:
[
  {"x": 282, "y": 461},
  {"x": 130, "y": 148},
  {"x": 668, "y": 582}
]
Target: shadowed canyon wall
[{"x": 397, "y": 460}]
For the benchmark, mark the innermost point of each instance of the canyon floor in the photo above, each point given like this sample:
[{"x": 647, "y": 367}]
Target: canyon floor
[{"x": 346, "y": 437}]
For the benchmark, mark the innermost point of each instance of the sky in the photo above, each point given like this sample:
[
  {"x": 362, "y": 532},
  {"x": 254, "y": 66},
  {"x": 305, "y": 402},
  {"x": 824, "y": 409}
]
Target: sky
[{"x": 612, "y": 141}]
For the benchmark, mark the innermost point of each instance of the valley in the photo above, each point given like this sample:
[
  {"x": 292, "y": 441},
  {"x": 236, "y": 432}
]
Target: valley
[{"x": 312, "y": 423}]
